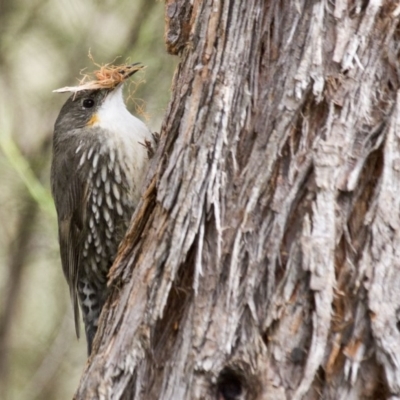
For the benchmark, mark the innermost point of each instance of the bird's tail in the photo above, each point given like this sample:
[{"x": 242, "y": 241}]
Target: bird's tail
[{"x": 91, "y": 300}]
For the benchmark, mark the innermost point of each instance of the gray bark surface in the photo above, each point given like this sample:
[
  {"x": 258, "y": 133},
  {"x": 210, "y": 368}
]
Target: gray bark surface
[{"x": 264, "y": 259}]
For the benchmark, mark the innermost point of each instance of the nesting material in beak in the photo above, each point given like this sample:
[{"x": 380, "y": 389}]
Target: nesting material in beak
[{"x": 107, "y": 77}]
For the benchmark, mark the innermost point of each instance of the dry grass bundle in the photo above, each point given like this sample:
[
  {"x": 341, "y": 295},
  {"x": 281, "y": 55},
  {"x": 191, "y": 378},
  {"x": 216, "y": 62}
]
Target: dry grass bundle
[{"x": 107, "y": 77}]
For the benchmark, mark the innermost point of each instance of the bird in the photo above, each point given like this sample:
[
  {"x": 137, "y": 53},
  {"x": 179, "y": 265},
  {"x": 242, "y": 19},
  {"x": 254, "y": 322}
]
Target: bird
[{"x": 100, "y": 157}]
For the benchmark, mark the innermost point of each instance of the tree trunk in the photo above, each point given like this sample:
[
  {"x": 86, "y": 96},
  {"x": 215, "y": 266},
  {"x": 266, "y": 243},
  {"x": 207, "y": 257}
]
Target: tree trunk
[{"x": 264, "y": 259}]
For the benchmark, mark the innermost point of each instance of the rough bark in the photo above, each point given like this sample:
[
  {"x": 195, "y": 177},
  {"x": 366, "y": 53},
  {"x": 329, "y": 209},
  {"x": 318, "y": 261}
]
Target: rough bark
[{"x": 263, "y": 261}]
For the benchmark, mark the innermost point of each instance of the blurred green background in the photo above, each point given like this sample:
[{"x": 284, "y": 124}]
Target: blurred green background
[{"x": 43, "y": 46}]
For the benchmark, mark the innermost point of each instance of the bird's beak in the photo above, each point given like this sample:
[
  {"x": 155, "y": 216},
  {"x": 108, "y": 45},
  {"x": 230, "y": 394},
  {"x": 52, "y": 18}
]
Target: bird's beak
[
  {"x": 126, "y": 72},
  {"x": 130, "y": 70}
]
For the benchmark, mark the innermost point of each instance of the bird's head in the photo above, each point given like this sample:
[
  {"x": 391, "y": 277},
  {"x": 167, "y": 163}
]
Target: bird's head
[{"x": 92, "y": 100}]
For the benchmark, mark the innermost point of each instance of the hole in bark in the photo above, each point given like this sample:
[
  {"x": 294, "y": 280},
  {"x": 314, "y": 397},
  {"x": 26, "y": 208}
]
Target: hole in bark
[
  {"x": 298, "y": 355},
  {"x": 398, "y": 319},
  {"x": 229, "y": 384},
  {"x": 321, "y": 374}
]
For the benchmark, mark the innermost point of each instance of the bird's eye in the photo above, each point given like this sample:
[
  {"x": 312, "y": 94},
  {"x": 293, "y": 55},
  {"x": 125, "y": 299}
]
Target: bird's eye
[{"x": 88, "y": 103}]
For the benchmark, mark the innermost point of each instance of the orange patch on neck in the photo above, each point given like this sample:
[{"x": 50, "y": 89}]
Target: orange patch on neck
[{"x": 94, "y": 119}]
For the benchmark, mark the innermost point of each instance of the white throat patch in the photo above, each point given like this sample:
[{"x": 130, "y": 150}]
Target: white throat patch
[{"x": 113, "y": 117}]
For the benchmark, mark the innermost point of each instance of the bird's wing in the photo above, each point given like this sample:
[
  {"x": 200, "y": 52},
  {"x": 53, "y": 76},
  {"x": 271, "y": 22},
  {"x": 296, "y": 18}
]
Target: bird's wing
[{"x": 70, "y": 195}]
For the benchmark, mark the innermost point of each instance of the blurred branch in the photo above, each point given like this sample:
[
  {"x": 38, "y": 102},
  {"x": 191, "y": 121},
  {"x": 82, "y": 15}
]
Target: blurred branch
[
  {"x": 25, "y": 172},
  {"x": 17, "y": 256},
  {"x": 145, "y": 8}
]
